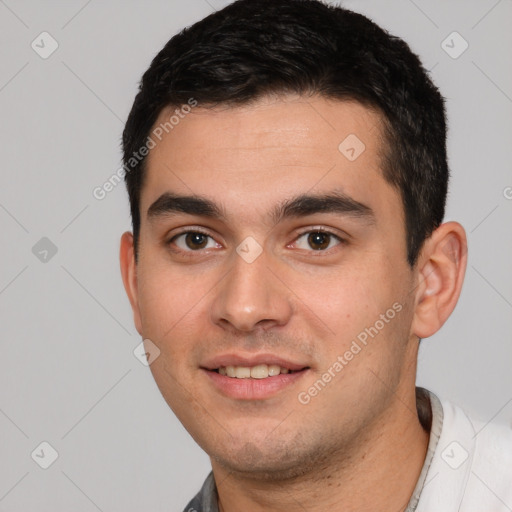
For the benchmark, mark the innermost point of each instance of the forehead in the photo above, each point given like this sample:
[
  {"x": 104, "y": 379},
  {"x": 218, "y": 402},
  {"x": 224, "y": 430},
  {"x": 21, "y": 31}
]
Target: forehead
[{"x": 269, "y": 149}]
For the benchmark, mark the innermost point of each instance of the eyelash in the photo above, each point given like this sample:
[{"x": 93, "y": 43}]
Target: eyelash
[
  {"x": 341, "y": 240},
  {"x": 190, "y": 253}
]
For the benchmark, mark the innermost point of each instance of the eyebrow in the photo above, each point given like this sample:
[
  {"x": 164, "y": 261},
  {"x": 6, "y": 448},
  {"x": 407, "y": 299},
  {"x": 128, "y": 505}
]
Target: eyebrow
[
  {"x": 332, "y": 202},
  {"x": 169, "y": 204}
]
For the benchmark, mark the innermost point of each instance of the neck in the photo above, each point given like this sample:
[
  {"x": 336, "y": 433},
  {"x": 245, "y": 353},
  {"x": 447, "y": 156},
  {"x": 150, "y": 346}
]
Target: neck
[{"x": 380, "y": 473}]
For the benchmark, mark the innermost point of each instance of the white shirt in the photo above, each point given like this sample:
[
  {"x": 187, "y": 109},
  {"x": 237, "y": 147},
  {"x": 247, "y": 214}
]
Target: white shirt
[{"x": 471, "y": 470}]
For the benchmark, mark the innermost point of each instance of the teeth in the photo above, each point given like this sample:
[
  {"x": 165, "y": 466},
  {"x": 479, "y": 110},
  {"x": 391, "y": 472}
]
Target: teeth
[
  {"x": 274, "y": 369},
  {"x": 260, "y": 371},
  {"x": 242, "y": 372}
]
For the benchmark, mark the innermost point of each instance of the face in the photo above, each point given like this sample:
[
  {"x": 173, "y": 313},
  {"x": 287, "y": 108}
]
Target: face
[{"x": 272, "y": 277}]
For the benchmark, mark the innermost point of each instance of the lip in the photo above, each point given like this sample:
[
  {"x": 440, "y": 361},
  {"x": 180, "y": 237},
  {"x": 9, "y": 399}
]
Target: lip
[
  {"x": 253, "y": 389},
  {"x": 252, "y": 360}
]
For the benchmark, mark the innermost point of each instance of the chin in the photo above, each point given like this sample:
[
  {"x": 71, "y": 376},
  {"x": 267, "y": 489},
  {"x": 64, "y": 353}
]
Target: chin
[
  {"x": 255, "y": 464},
  {"x": 268, "y": 459}
]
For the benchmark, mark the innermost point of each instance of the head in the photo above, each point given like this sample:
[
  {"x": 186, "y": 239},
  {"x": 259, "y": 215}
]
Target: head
[{"x": 287, "y": 175}]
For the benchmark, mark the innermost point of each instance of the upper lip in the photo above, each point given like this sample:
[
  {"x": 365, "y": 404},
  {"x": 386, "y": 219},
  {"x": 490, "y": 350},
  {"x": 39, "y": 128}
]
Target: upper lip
[{"x": 251, "y": 360}]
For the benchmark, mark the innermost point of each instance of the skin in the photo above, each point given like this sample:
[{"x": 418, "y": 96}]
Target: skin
[{"x": 358, "y": 444}]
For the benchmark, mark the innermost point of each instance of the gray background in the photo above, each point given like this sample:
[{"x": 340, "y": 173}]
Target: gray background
[{"x": 68, "y": 375}]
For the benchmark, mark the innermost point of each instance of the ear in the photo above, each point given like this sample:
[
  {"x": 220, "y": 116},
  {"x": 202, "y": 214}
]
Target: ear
[
  {"x": 440, "y": 273},
  {"x": 129, "y": 274}
]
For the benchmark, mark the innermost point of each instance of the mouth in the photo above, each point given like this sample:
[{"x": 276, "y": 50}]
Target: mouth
[
  {"x": 253, "y": 380},
  {"x": 259, "y": 371}
]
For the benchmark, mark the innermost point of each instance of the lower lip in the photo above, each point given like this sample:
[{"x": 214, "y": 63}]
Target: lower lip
[{"x": 253, "y": 389}]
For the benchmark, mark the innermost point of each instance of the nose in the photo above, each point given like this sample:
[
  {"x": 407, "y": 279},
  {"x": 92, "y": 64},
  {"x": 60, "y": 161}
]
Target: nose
[{"x": 251, "y": 296}]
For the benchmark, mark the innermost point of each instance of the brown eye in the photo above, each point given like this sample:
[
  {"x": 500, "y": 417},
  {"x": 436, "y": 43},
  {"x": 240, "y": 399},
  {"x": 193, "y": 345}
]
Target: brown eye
[
  {"x": 193, "y": 241},
  {"x": 318, "y": 241},
  {"x": 196, "y": 240}
]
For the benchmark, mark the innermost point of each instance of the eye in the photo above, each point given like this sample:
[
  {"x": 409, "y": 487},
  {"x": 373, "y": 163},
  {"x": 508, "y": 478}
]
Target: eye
[
  {"x": 193, "y": 241},
  {"x": 318, "y": 240}
]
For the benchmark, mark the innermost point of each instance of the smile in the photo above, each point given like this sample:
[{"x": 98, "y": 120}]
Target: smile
[
  {"x": 260, "y": 371},
  {"x": 259, "y": 381}
]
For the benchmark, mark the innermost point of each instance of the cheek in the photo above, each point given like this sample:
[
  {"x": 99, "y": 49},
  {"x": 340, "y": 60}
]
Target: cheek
[
  {"x": 346, "y": 298},
  {"x": 364, "y": 303},
  {"x": 169, "y": 303}
]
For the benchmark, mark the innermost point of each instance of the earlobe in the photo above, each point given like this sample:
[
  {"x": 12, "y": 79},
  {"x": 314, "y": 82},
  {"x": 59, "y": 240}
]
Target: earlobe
[
  {"x": 129, "y": 275},
  {"x": 441, "y": 269}
]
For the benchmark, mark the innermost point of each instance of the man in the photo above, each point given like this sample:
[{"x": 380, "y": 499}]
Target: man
[{"x": 287, "y": 174}]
